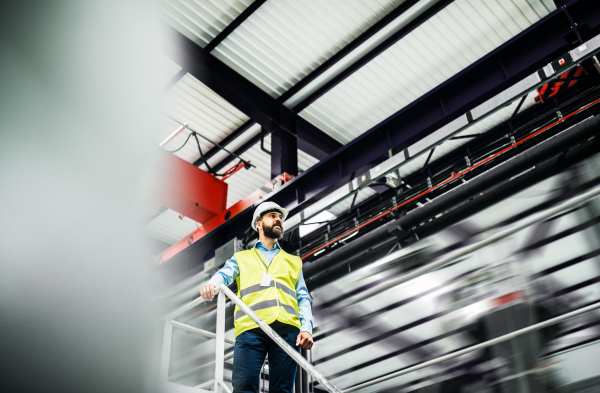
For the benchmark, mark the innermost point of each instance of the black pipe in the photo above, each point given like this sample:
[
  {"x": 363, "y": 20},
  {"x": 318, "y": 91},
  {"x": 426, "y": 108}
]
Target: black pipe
[
  {"x": 370, "y": 241},
  {"x": 513, "y": 167},
  {"x": 339, "y": 268},
  {"x": 509, "y": 188},
  {"x": 371, "y": 246}
]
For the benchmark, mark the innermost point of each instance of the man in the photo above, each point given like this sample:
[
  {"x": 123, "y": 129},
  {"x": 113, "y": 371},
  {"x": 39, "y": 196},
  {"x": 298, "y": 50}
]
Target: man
[{"x": 271, "y": 283}]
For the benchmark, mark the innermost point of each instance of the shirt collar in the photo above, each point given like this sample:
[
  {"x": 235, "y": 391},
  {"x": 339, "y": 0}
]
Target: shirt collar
[{"x": 260, "y": 245}]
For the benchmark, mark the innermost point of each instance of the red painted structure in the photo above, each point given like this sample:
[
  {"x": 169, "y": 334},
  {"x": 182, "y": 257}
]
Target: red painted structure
[
  {"x": 223, "y": 215},
  {"x": 188, "y": 190}
]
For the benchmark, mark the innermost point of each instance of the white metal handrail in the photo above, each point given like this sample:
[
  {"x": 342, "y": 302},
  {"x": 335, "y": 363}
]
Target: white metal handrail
[
  {"x": 293, "y": 353},
  {"x": 222, "y": 291},
  {"x": 168, "y": 333}
]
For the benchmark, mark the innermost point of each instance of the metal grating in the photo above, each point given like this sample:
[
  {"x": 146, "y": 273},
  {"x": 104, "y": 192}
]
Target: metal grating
[
  {"x": 454, "y": 38},
  {"x": 202, "y": 20},
  {"x": 190, "y": 101},
  {"x": 169, "y": 228},
  {"x": 285, "y": 40}
]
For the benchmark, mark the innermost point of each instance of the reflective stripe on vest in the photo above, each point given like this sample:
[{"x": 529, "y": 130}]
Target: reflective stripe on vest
[
  {"x": 266, "y": 304},
  {"x": 258, "y": 288}
]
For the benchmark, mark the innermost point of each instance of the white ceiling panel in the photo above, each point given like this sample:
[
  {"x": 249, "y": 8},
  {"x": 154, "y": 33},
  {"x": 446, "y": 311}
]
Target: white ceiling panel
[
  {"x": 202, "y": 20},
  {"x": 169, "y": 228},
  {"x": 284, "y": 40},
  {"x": 454, "y": 38},
  {"x": 235, "y": 144},
  {"x": 190, "y": 101}
]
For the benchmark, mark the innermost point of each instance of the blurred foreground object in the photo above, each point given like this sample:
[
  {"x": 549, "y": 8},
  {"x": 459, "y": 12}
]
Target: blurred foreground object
[{"x": 78, "y": 96}]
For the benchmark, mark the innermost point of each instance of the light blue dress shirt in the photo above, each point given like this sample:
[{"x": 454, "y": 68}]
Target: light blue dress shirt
[{"x": 230, "y": 271}]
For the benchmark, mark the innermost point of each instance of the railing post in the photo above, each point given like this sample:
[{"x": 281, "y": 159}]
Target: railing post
[
  {"x": 220, "y": 343},
  {"x": 166, "y": 350}
]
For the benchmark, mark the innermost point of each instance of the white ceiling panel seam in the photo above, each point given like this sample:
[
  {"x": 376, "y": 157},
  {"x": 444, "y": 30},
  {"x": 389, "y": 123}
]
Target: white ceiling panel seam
[
  {"x": 201, "y": 114},
  {"x": 244, "y": 53},
  {"x": 499, "y": 32},
  {"x": 249, "y": 71},
  {"x": 198, "y": 27},
  {"x": 183, "y": 27},
  {"x": 247, "y": 35},
  {"x": 202, "y": 20},
  {"x": 206, "y": 128},
  {"x": 199, "y": 15},
  {"x": 300, "y": 51},
  {"x": 285, "y": 40}
]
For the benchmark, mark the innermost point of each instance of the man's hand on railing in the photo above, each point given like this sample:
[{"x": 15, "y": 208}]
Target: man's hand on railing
[
  {"x": 208, "y": 292},
  {"x": 305, "y": 340}
]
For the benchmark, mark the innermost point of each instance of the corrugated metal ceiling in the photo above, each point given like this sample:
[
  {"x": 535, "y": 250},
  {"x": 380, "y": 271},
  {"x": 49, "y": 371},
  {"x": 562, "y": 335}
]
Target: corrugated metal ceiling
[
  {"x": 284, "y": 40},
  {"x": 277, "y": 46},
  {"x": 202, "y": 20},
  {"x": 190, "y": 101},
  {"x": 169, "y": 228},
  {"x": 448, "y": 42}
]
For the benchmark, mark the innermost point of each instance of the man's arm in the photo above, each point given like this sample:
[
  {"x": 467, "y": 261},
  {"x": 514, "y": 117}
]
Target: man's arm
[
  {"x": 306, "y": 319},
  {"x": 229, "y": 272}
]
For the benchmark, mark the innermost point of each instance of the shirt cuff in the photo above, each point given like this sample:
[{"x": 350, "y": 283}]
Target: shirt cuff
[
  {"x": 217, "y": 279},
  {"x": 306, "y": 327}
]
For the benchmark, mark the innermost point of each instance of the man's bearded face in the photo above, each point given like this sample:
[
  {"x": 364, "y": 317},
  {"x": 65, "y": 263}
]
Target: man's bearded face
[{"x": 272, "y": 225}]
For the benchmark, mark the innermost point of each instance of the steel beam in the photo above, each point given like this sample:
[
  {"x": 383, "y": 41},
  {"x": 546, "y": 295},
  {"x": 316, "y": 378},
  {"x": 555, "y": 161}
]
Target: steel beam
[
  {"x": 244, "y": 95},
  {"x": 516, "y": 59},
  {"x": 174, "y": 80},
  {"x": 234, "y": 25}
]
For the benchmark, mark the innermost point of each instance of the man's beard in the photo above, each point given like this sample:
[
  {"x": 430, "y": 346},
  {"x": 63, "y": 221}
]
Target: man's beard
[{"x": 274, "y": 232}]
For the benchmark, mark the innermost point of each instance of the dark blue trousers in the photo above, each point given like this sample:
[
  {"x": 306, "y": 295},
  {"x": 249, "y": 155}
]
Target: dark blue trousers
[{"x": 251, "y": 348}]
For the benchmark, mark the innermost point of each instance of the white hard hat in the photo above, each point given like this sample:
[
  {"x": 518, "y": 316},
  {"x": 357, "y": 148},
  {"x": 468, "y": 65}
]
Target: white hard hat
[{"x": 264, "y": 207}]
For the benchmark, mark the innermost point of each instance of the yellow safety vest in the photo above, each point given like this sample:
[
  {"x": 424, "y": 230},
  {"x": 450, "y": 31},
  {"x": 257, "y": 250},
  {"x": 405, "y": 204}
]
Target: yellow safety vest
[{"x": 278, "y": 301}]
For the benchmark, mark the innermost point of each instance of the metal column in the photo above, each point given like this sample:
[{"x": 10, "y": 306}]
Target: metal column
[{"x": 284, "y": 153}]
